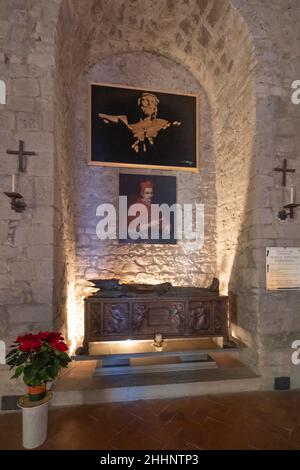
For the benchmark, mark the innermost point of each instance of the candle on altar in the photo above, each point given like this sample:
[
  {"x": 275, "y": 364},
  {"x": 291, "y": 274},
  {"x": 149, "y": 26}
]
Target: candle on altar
[
  {"x": 158, "y": 338},
  {"x": 292, "y": 196},
  {"x": 13, "y": 183}
]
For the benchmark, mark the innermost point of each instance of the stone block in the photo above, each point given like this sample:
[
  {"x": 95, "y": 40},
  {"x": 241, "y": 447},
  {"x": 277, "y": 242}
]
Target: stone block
[
  {"x": 25, "y": 185},
  {"x": 22, "y": 233},
  {"x": 26, "y": 87},
  {"x": 44, "y": 269},
  {"x": 41, "y": 234},
  {"x": 41, "y": 166},
  {"x": 3, "y": 267},
  {"x": 23, "y": 71},
  {"x": 47, "y": 86},
  {"x": 40, "y": 252},
  {"x": 5, "y": 140},
  {"x": 17, "y": 103},
  {"x": 23, "y": 270},
  {"x": 42, "y": 292},
  {"x": 3, "y": 231},
  {"x": 4, "y": 28},
  {"x": 42, "y": 215},
  {"x": 38, "y": 141},
  {"x": 48, "y": 117},
  {"x": 29, "y": 121},
  {"x": 5, "y": 281},
  {"x": 18, "y": 17},
  {"x": 44, "y": 188},
  {"x": 30, "y": 313},
  {"x": 41, "y": 60},
  {"x": 7, "y": 121}
]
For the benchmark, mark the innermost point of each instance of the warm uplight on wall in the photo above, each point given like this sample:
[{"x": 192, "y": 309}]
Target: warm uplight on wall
[
  {"x": 2, "y": 92},
  {"x": 73, "y": 324}
]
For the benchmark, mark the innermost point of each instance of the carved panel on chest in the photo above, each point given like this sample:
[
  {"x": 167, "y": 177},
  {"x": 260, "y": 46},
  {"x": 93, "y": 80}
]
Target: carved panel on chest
[
  {"x": 116, "y": 319},
  {"x": 163, "y": 316},
  {"x": 200, "y": 319},
  {"x": 220, "y": 317},
  {"x": 96, "y": 321}
]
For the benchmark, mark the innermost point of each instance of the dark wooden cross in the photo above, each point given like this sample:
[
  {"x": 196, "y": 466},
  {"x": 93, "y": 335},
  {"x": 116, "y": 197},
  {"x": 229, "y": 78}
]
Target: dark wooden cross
[
  {"x": 22, "y": 155},
  {"x": 284, "y": 171}
]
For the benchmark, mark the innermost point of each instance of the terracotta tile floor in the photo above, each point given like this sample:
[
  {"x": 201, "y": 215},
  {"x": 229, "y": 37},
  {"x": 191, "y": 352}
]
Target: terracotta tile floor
[{"x": 256, "y": 420}]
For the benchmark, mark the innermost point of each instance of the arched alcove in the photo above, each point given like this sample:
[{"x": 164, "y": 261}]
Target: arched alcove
[{"x": 209, "y": 42}]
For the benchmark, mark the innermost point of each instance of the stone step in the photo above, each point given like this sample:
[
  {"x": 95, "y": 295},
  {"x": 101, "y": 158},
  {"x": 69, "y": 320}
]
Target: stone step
[
  {"x": 136, "y": 349},
  {"x": 151, "y": 392},
  {"x": 176, "y": 363}
]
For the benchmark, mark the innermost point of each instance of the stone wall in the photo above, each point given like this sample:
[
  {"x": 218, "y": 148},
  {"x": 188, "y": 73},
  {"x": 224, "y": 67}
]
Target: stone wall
[
  {"x": 183, "y": 264},
  {"x": 26, "y": 240},
  {"x": 192, "y": 34},
  {"x": 244, "y": 54},
  {"x": 277, "y": 55}
]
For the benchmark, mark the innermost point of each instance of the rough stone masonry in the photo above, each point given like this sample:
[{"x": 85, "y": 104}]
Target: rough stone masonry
[{"x": 241, "y": 57}]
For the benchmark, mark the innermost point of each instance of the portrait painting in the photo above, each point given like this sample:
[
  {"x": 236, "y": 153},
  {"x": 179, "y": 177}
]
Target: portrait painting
[
  {"x": 140, "y": 199},
  {"x": 141, "y": 128}
]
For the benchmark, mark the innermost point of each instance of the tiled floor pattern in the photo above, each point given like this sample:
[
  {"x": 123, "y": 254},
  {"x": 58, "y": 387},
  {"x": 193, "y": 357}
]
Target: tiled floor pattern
[{"x": 256, "y": 420}]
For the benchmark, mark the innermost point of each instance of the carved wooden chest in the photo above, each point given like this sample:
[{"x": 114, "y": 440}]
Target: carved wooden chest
[{"x": 113, "y": 319}]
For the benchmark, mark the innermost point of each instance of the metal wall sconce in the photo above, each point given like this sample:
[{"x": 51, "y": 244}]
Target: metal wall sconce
[
  {"x": 284, "y": 214},
  {"x": 16, "y": 199},
  {"x": 289, "y": 209}
]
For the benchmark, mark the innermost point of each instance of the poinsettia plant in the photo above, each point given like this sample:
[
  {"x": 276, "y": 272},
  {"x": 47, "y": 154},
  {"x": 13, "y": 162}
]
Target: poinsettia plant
[{"x": 39, "y": 357}]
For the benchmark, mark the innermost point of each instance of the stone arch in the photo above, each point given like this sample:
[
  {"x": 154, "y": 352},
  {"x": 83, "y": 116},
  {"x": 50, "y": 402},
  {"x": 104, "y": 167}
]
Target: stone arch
[{"x": 213, "y": 42}]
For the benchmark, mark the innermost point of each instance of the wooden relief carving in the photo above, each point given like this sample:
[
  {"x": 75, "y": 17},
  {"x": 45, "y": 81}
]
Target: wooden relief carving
[
  {"x": 116, "y": 319},
  {"x": 176, "y": 315},
  {"x": 200, "y": 317},
  {"x": 96, "y": 327},
  {"x": 219, "y": 316},
  {"x": 139, "y": 315}
]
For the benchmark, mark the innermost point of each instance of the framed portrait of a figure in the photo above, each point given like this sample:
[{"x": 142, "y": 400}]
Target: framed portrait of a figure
[
  {"x": 140, "y": 128},
  {"x": 146, "y": 209}
]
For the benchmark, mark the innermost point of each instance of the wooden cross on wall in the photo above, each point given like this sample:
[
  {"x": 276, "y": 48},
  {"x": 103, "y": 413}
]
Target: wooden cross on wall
[
  {"x": 22, "y": 155},
  {"x": 284, "y": 171}
]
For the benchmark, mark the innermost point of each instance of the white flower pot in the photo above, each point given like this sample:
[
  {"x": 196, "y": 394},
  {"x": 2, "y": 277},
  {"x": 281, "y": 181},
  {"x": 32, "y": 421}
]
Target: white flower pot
[{"x": 34, "y": 421}]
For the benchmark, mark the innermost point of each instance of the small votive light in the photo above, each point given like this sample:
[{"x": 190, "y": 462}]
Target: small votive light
[{"x": 158, "y": 338}]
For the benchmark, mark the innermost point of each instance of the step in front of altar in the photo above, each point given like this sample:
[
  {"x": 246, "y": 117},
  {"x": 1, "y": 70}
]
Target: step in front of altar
[
  {"x": 81, "y": 384},
  {"x": 146, "y": 365}
]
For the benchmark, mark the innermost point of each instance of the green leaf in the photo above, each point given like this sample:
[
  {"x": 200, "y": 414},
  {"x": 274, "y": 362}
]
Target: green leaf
[
  {"x": 12, "y": 361},
  {"x": 41, "y": 360},
  {"x": 34, "y": 382},
  {"x": 53, "y": 370},
  {"x": 11, "y": 353},
  {"x": 18, "y": 372},
  {"x": 22, "y": 359},
  {"x": 30, "y": 373},
  {"x": 64, "y": 359},
  {"x": 43, "y": 376}
]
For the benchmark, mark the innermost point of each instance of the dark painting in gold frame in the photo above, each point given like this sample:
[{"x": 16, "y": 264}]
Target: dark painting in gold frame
[{"x": 141, "y": 128}]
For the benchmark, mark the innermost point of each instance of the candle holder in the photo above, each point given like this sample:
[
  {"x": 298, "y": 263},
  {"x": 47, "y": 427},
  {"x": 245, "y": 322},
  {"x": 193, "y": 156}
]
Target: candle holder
[
  {"x": 159, "y": 343},
  {"x": 291, "y": 207},
  {"x": 16, "y": 201},
  {"x": 284, "y": 214}
]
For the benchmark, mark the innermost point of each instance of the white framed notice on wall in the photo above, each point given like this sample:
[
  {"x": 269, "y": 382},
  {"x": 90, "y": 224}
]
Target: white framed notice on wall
[{"x": 282, "y": 268}]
